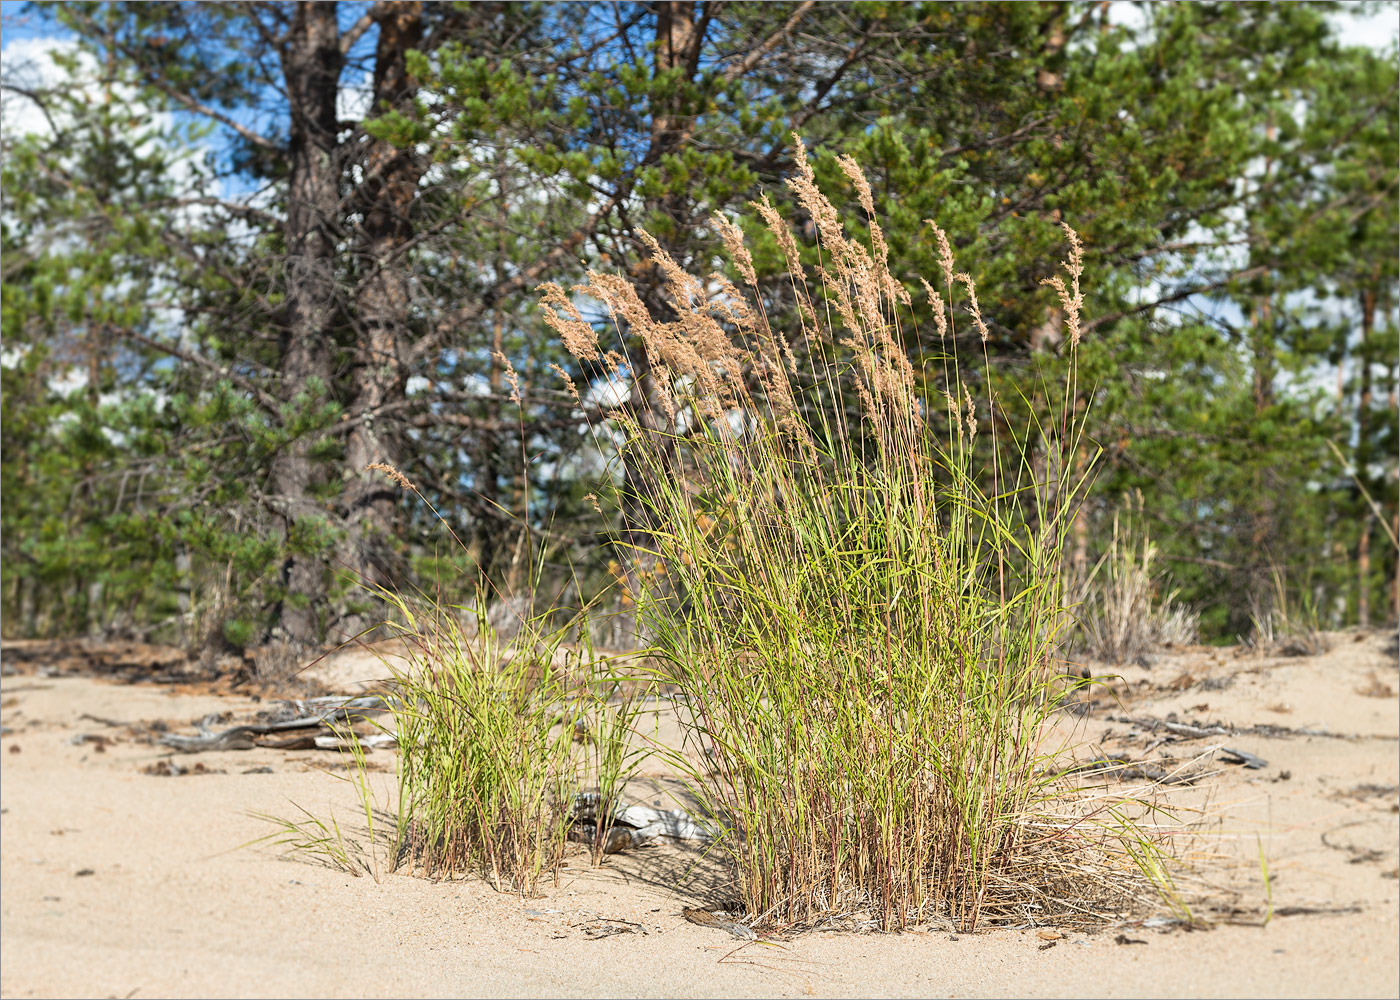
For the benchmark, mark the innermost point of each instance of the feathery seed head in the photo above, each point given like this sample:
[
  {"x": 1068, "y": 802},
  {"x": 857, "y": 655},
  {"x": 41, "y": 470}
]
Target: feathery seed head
[
  {"x": 511, "y": 377},
  {"x": 945, "y": 252},
  {"x": 733, "y": 238},
  {"x": 976, "y": 309},
  {"x": 568, "y": 382},
  {"x": 393, "y": 473},
  {"x": 562, "y": 316},
  {"x": 1071, "y": 298},
  {"x": 935, "y": 302}
]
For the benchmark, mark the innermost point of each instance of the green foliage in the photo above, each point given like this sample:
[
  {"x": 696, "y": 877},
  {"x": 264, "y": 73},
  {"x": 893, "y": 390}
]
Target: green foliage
[{"x": 1231, "y": 169}]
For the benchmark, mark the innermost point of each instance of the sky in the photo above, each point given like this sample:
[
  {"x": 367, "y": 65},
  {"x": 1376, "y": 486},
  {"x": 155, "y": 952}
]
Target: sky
[
  {"x": 16, "y": 24},
  {"x": 1357, "y": 23},
  {"x": 1379, "y": 27}
]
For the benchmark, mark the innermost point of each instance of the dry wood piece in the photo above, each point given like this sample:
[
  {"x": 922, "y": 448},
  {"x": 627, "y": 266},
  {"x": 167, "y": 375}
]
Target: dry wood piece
[
  {"x": 246, "y": 737},
  {"x": 720, "y": 920},
  {"x": 1125, "y": 769},
  {"x": 1310, "y": 911},
  {"x": 610, "y": 927},
  {"x": 633, "y": 826},
  {"x": 1263, "y": 729},
  {"x": 171, "y": 769},
  {"x": 1195, "y": 732},
  {"x": 1247, "y": 759}
]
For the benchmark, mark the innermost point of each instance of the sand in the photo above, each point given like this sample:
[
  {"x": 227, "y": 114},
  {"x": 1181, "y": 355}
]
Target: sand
[{"x": 121, "y": 883}]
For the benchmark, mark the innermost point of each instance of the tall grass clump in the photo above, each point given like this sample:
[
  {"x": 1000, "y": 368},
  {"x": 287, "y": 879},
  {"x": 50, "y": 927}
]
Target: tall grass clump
[
  {"x": 500, "y": 730},
  {"x": 508, "y": 748},
  {"x": 1122, "y": 612},
  {"x": 486, "y": 773},
  {"x": 851, "y": 570},
  {"x": 1283, "y": 624},
  {"x": 500, "y": 739}
]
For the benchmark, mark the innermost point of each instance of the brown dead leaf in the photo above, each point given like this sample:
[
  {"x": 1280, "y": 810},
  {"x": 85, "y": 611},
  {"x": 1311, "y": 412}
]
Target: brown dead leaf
[{"x": 1049, "y": 935}]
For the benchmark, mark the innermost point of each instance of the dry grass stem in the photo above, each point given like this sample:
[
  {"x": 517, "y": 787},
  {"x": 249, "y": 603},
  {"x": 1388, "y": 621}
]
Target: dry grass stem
[{"x": 865, "y": 637}]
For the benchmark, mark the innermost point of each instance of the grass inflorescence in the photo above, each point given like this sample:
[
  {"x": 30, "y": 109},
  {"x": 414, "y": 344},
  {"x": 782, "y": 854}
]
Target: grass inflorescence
[{"x": 860, "y": 605}]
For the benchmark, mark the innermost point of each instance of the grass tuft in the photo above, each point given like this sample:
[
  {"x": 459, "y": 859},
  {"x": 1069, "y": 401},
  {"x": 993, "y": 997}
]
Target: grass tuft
[
  {"x": 1121, "y": 613},
  {"x": 858, "y": 593}
]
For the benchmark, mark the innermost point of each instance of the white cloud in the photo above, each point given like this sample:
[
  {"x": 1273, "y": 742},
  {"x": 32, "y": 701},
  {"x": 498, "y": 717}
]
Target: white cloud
[
  {"x": 12, "y": 354},
  {"x": 609, "y": 392},
  {"x": 1379, "y": 29},
  {"x": 353, "y": 99},
  {"x": 68, "y": 382},
  {"x": 28, "y": 64}
]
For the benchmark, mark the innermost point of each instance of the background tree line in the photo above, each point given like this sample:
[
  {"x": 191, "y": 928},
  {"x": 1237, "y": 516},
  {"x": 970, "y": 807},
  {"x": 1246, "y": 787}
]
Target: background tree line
[{"x": 251, "y": 248}]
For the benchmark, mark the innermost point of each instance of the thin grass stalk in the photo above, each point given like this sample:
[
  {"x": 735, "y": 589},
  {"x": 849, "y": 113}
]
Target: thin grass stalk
[{"x": 863, "y": 632}]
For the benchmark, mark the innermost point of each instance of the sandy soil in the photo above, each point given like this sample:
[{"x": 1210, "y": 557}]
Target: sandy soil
[{"x": 118, "y": 882}]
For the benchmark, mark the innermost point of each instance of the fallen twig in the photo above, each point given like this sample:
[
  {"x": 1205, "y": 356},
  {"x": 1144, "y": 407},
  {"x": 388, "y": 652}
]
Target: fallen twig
[
  {"x": 245, "y": 737},
  {"x": 1128, "y": 770},
  {"x": 1247, "y": 759},
  {"x": 1195, "y": 732}
]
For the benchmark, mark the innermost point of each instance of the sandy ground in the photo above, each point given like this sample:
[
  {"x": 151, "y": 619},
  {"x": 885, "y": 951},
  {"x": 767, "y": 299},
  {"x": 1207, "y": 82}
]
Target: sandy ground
[{"x": 122, "y": 883}]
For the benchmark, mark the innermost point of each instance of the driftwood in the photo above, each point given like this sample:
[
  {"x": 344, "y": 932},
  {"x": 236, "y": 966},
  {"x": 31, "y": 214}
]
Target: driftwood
[
  {"x": 1247, "y": 759},
  {"x": 1184, "y": 731},
  {"x": 323, "y": 741},
  {"x": 1266, "y": 730},
  {"x": 246, "y": 737},
  {"x": 1125, "y": 769},
  {"x": 1194, "y": 732},
  {"x": 633, "y": 826},
  {"x": 1180, "y": 729},
  {"x": 720, "y": 920}
]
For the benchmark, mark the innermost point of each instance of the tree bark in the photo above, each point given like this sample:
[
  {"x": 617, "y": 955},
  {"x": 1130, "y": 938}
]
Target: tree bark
[
  {"x": 1363, "y": 573},
  {"x": 490, "y": 461},
  {"x": 311, "y": 64},
  {"x": 1263, "y": 528},
  {"x": 382, "y": 310},
  {"x": 1363, "y": 456}
]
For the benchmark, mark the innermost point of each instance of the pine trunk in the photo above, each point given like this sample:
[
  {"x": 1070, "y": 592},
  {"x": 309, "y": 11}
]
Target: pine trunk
[
  {"x": 1363, "y": 457},
  {"x": 1363, "y": 574},
  {"x": 379, "y": 376},
  {"x": 678, "y": 41},
  {"x": 311, "y": 65},
  {"x": 1264, "y": 527}
]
